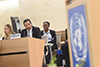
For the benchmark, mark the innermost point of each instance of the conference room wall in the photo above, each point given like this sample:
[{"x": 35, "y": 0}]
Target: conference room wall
[
  {"x": 38, "y": 11},
  {"x": 8, "y": 8}
]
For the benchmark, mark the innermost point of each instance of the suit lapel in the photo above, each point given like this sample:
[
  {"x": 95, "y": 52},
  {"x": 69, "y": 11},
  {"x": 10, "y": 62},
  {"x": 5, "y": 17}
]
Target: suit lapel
[
  {"x": 51, "y": 33},
  {"x": 32, "y": 31},
  {"x": 26, "y": 32}
]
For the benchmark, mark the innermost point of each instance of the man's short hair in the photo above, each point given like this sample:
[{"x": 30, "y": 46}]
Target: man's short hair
[{"x": 26, "y": 21}]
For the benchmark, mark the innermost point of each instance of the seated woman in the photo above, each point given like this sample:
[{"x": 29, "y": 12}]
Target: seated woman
[
  {"x": 51, "y": 38},
  {"x": 8, "y": 31}
]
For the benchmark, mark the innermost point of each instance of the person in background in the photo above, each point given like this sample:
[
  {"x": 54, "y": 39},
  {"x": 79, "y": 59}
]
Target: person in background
[
  {"x": 8, "y": 31},
  {"x": 30, "y": 30},
  {"x": 51, "y": 38},
  {"x": 65, "y": 51}
]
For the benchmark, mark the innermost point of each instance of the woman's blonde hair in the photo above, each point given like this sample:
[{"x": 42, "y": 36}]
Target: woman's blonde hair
[{"x": 11, "y": 31}]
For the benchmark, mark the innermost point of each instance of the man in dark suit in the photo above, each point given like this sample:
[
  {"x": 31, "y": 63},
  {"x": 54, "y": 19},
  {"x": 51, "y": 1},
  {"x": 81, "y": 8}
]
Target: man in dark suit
[
  {"x": 30, "y": 30},
  {"x": 65, "y": 51}
]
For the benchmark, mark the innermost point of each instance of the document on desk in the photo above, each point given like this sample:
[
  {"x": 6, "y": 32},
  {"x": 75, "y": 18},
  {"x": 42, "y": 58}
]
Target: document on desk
[
  {"x": 14, "y": 36},
  {"x": 51, "y": 44}
]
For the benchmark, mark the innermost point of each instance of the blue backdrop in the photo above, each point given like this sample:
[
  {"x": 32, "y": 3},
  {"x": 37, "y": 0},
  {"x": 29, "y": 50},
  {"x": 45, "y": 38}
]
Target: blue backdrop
[{"x": 78, "y": 35}]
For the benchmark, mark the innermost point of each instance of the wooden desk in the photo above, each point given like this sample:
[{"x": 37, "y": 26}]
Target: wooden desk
[{"x": 10, "y": 48}]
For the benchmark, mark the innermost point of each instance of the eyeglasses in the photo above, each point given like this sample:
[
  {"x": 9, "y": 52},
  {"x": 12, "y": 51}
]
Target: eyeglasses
[{"x": 45, "y": 25}]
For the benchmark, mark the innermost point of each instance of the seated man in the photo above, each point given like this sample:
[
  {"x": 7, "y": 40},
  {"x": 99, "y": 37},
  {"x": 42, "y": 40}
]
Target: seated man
[
  {"x": 65, "y": 51},
  {"x": 30, "y": 30}
]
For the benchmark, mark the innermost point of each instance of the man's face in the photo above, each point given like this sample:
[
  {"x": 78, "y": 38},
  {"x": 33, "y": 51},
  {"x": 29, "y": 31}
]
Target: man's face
[{"x": 28, "y": 25}]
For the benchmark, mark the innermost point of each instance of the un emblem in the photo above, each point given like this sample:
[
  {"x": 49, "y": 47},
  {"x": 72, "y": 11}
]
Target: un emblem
[{"x": 78, "y": 34}]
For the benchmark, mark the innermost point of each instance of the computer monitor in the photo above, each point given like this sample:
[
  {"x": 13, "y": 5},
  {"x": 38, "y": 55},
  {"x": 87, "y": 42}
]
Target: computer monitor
[{"x": 16, "y": 25}]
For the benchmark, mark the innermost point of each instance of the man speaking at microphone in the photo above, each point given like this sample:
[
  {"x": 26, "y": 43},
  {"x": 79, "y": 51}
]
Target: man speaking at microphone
[{"x": 30, "y": 31}]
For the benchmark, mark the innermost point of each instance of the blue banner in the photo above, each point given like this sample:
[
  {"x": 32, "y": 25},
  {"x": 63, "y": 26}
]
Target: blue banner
[{"x": 79, "y": 36}]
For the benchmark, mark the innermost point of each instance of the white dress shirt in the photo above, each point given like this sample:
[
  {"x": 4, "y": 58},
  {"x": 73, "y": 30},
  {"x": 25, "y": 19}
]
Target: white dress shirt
[{"x": 29, "y": 32}]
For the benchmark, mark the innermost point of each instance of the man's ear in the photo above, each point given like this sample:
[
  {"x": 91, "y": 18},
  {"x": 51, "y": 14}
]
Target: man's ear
[{"x": 31, "y": 23}]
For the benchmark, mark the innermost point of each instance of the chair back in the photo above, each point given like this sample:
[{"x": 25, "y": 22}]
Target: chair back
[{"x": 45, "y": 37}]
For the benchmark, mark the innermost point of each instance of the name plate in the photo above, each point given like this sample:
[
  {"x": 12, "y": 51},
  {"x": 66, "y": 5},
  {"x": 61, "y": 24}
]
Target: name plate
[{"x": 14, "y": 36}]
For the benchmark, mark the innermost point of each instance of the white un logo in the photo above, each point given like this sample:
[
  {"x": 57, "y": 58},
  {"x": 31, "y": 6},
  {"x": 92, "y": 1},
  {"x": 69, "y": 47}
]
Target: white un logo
[{"x": 78, "y": 34}]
